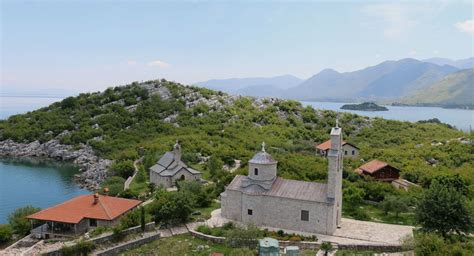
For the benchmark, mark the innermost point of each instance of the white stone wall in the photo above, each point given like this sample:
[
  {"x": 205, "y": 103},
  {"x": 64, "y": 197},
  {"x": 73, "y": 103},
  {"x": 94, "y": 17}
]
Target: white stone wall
[
  {"x": 159, "y": 180},
  {"x": 265, "y": 171},
  {"x": 167, "y": 181},
  {"x": 348, "y": 148},
  {"x": 277, "y": 212},
  {"x": 231, "y": 207}
]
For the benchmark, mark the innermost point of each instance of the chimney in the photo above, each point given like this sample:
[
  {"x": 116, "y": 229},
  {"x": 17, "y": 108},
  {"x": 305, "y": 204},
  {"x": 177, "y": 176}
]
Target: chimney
[{"x": 96, "y": 198}]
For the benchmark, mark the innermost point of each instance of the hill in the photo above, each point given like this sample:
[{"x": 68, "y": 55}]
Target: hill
[
  {"x": 255, "y": 86},
  {"x": 461, "y": 64},
  {"x": 387, "y": 80},
  {"x": 147, "y": 118},
  {"x": 454, "y": 90}
]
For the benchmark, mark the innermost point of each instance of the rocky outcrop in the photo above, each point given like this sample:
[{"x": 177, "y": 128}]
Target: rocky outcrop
[{"x": 94, "y": 168}]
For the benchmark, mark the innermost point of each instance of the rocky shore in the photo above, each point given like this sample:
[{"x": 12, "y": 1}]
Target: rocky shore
[{"x": 94, "y": 168}]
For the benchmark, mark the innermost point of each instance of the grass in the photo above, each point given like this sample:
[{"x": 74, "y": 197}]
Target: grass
[
  {"x": 188, "y": 245},
  {"x": 376, "y": 214},
  {"x": 206, "y": 211}
]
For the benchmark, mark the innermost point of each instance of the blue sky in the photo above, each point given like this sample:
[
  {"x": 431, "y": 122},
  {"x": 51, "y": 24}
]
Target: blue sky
[{"x": 88, "y": 46}]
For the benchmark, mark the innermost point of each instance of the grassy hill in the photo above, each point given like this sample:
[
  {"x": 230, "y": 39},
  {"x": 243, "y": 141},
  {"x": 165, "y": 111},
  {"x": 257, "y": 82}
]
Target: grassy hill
[
  {"x": 456, "y": 89},
  {"x": 122, "y": 121}
]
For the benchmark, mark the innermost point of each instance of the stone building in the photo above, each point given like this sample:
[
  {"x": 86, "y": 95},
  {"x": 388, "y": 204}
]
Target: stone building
[
  {"x": 264, "y": 199},
  {"x": 348, "y": 149},
  {"x": 170, "y": 169}
]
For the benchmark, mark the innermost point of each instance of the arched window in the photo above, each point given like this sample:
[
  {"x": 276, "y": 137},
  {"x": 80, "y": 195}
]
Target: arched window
[{"x": 255, "y": 171}]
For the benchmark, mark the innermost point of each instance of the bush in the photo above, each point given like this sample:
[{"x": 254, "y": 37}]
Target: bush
[
  {"x": 131, "y": 219},
  {"x": 81, "y": 248},
  {"x": 204, "y": 229},
  {"x": 123, "y": 168},
  {"x": 18, "y": 222},
  {"x": 6, "y": 233},
  {"x": 117, "y": 233}
]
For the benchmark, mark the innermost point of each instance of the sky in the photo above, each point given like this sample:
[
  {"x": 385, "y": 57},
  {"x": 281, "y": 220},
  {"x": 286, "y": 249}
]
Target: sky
[{"x": 79, "y": 46}]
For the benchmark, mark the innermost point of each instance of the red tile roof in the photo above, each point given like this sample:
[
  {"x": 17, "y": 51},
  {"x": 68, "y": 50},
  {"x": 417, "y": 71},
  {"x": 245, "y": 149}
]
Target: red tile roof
[
  {"x": 78, "y": 208},
  {"x": 327, "y": 145},
  {"x": 371, "y": 167}
]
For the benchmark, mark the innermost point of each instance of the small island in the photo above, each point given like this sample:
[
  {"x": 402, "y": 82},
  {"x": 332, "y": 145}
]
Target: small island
[{"x": 366, "y": 106}]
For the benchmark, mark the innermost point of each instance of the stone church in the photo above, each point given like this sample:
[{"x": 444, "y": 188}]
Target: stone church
[
  {"x": 170, "y": 169},
  {"x": 264, "y": 199}
]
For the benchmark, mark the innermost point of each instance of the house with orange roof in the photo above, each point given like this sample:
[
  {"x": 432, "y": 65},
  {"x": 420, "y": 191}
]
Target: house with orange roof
[
  {"x": 379, "y": 170},
  {"x": 349, "y": 150},
  {"x": 80, "y": 214}
]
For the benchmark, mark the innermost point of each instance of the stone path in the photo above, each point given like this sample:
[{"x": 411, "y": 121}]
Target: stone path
[{"x": 351, "y": 231}]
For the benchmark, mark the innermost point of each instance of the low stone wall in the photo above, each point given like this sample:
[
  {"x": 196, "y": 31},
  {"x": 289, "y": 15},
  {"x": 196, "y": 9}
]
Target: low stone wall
[
  {"x": 371, "y": 247},
  {"x": 108, "y": 237},
  {"x": 214, "y": 239},
  {"x": 129, "y": 245},
  {"x": 305, "y": 245}
]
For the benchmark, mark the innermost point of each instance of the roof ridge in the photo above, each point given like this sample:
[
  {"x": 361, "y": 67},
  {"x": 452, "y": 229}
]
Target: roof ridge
[{"x": 105, "y": 208}]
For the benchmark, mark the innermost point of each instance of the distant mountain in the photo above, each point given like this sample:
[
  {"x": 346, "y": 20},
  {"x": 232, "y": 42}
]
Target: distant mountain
[
  {"x": 461, "y": 64},
  {"x": 255, "y": 86},
  {"x": 454, "y": 90},
  {"x": 387, "y": 80}
]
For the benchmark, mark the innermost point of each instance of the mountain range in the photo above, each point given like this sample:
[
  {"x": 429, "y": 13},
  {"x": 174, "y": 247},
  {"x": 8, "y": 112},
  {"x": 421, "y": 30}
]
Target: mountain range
[{"x": 405, "y": 80}]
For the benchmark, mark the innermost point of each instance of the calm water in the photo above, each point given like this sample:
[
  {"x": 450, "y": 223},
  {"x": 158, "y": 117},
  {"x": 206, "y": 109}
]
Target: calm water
[
  {"x": 38, "y": 182},
  {"x": 460, "y": 118},
  {"x": 16, "y": 105}
]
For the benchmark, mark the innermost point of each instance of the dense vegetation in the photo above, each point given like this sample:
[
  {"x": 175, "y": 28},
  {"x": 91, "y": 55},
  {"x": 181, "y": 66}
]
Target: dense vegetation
[
  {"x": 366, "y": 106},
  {"x": 124, "y": 123}
]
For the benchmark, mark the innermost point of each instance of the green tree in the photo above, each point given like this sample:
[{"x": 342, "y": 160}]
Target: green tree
[
  {"x": 142, "y": 218},
  {"x": 6, "y": 233},
  {"x": 353, "y": 196},
  {"x": 394, "y": 204},
  {"x": 17, "y": 219},
  {"x": 444, "y": 209},
  {"x": 123, "y": 169},
  {"x": 214, "y": 165}
]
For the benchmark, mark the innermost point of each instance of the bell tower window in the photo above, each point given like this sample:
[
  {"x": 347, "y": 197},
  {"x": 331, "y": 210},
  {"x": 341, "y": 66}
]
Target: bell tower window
[{"x": 255, "y": 171}]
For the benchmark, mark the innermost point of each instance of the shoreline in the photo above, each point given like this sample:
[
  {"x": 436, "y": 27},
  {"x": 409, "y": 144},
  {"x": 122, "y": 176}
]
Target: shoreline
[{"x": 93, "y": 168}]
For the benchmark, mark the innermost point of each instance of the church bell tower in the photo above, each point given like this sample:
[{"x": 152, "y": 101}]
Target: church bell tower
[{"x": 334, "y": 189}]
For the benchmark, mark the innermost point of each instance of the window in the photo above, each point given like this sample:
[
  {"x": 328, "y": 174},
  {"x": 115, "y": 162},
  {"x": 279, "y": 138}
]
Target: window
[
  {"x": 92, "y": 223},
  {"x": 345, "y": 152},
  {"x": 304, "y": 215},
  {"x": 255, "y": 171},
  {"x": 249, "y": 211},
  {"x": 353, "y": 152}
]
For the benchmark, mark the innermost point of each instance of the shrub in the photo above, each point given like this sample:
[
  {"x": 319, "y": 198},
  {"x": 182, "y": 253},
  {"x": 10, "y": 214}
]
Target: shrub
[
  {"x": 17, "y": 219},
  {"x": 81, "y": 248},
  {"x": 6, "y": 233},
  {"x": 295, "y": 239},
  {"x": 123, "y": 168},
  {"x": 228, "y": 225},
  {"x": 117, "y": 234},
  {"x": 204, "y": 229}
]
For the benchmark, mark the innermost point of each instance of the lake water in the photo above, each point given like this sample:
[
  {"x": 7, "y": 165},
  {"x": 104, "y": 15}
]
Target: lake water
[
  {"x": 460, "y": 118},
  {"x": 38, "y": 182}
]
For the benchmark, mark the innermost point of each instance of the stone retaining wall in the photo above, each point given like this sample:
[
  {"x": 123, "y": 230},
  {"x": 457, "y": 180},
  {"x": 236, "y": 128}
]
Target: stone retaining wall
[
  {"x": 304, "y": 245},
  {"x": 129, "y": 245}
]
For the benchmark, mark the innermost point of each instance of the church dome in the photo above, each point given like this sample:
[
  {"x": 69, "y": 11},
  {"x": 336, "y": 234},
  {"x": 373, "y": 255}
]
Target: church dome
[{"x": 262, "y": 157}]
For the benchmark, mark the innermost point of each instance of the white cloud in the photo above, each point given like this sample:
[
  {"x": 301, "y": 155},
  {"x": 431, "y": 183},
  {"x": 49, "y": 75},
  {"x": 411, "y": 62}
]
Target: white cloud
[
  {"x": 466, "y": 26},
  {"x": 132, "y": 62},
  {"x": 412, "y": 52},
  {"x": 436, "y": 52},
  {"x": 158, "y": 63}
]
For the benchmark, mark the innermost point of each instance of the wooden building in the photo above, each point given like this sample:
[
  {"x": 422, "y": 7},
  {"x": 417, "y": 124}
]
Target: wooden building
[{"x": 379, "y": 170}]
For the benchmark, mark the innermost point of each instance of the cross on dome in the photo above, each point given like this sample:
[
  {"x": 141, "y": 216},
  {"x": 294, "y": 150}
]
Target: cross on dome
[{"x": 263, "y": 146}]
